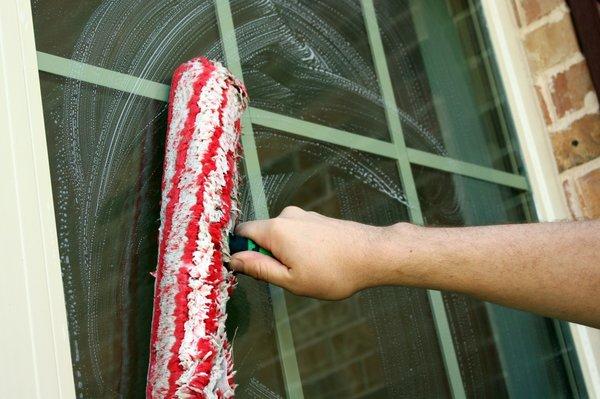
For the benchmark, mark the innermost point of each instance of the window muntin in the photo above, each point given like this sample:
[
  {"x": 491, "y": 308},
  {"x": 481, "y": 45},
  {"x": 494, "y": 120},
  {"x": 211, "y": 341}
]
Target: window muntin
[
  {"x": 310, "y": 60},
  {"x": 147, "y": 39},
  {"x": 442, "y": 69}
]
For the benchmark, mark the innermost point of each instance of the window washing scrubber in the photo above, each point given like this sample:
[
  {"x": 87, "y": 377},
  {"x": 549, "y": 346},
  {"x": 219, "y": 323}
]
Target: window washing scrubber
[{"x": 190, "y": 356}]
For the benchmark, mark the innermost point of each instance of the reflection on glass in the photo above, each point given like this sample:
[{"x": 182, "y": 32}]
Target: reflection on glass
[
  {"x": 140, "y": 38},
  {"x": 454, "y": 200},
  {"x": 105, "y": 151},
  {"x": 310, "y": 60},
  {"x": 502, "y": 352},
  {"x": 329, "y": 179},
  {"x": 380, "y": 343},
  {"x": 445, "y": 82},
  {"x": 106, "y": 154}
]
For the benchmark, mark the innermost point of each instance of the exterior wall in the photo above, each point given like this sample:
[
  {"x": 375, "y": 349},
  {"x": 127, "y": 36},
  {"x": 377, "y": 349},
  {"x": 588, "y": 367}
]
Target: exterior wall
[
  {"x": 570, "y": 110},
  {"x": 566, "y": 98}
]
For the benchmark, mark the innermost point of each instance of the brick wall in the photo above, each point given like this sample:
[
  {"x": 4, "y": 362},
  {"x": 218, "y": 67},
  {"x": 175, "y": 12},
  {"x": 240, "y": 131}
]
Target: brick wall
[{"x": 566, "y": 97}]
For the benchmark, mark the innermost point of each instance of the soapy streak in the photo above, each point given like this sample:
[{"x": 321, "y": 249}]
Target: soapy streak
[{"x": 95, "y": 146}]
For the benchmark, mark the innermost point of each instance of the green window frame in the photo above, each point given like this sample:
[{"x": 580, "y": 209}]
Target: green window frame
[{"x": 396, "y": 149}]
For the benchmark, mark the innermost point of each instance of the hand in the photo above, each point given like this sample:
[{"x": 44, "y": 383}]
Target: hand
[{"x": 317, "y": 256}]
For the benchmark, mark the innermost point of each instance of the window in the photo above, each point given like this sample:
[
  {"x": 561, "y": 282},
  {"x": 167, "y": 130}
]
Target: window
[{"x": 376, "y": 111}]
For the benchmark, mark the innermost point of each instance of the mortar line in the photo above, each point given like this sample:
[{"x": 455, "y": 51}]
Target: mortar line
[
  {"x": 395, "y": 127},
  {"x": 283, "y": 329},
  {"x": 158, "y": 91}
]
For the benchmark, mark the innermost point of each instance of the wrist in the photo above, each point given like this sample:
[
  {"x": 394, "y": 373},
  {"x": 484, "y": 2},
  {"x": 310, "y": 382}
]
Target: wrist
[
  {"x": 405, "y": 256},
  {"x": 367, "y": 255}
]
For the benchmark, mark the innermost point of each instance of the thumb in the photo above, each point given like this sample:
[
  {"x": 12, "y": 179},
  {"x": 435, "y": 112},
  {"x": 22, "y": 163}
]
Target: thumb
[{"x": 261, "y": 267}]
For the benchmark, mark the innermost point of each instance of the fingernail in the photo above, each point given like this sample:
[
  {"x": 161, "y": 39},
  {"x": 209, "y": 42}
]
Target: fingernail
[
  {"x": 236, "y": 229},
  {"x": 236, "y": 264}
]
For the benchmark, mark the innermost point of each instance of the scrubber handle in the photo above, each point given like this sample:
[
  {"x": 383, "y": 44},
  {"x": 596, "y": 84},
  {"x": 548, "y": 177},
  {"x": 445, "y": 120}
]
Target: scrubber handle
[{"x": 239, "y": 244}]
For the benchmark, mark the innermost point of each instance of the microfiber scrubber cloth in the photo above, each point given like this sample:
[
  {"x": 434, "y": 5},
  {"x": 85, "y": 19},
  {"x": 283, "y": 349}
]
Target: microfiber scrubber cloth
[{"x": 190, "y": 356}]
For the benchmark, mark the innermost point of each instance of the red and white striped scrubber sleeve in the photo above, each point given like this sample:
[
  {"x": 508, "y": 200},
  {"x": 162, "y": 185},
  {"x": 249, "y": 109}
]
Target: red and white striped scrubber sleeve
[{"x": 189, "y": 353}]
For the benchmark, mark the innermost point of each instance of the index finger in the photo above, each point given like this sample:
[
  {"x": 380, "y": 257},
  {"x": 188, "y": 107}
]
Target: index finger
[{"x": 257, "y": 231}]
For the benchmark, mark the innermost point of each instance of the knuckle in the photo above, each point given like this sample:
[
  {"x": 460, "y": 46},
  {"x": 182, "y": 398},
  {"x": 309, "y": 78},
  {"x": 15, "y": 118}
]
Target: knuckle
[
  {"x": 241, "y": 228},
  {"x": 262, "y": 271},
  {"x": 250, "y": 270},
  {"x": 277, "y": 226},
  {"x": 290, "y": 210}
]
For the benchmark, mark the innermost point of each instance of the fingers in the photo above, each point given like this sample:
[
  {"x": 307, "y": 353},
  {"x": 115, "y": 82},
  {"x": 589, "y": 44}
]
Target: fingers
[
  {"x": 295, "y": 212},
  {"x": 260, "y": 231},
  {"x": 257, "y": 230},
  {"x": 261, "y": 267}
]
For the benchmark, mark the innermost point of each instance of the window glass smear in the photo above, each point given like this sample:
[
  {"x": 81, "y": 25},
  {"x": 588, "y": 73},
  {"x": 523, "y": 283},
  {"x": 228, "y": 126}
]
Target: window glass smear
[
  {"x": 106, "y": 153},
  {"x": 311, "y": 60}
]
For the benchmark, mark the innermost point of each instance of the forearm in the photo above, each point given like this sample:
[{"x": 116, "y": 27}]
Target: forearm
[{"x": 548, "y": 268}]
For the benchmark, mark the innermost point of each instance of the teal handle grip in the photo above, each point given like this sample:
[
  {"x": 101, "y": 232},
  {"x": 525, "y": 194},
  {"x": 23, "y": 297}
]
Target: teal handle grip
[{"x": 239, "y": 244}]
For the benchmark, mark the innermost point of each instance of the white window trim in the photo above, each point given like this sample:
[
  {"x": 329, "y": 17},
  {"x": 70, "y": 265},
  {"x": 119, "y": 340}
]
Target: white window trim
[
  {"x": 35, "y": 360},
  {"x": 538, "y": 157}
]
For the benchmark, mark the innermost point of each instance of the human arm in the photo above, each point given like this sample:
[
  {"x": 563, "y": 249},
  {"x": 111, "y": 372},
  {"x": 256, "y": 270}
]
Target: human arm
[{"x": 548, "y": 268}]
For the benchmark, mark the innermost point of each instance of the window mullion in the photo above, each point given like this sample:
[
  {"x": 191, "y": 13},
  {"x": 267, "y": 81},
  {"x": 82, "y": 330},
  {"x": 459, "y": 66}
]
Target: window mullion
[
  {"x": 408, "y": 183},
  {"x": 285, "y": 342}
]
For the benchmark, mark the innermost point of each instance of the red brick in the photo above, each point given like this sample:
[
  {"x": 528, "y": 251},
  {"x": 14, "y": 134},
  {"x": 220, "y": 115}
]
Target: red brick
[
  {"x": 588, "y": 191},
  {"x": 570, "y": 87},
  {"x": 551, "y": 44},
  {"x": 571, "y": 199},
  {"x": 536, "y": 9},
  {"x": 578, "y": 144}
]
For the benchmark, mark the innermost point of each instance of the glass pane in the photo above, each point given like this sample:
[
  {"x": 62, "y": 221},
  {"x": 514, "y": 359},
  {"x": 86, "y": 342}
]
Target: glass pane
[
  {"x": 106, "y": 154},
  {"x": 445, "y": 83},
  {"x": 380, "y": 343},
  {"x": 501, "y": 351},
  {"x": 139, "y": 37},
  {"x": 310, "y": 60}
]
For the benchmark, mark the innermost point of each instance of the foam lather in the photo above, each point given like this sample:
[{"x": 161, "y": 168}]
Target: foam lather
[{"x": 190, "y": 356}]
